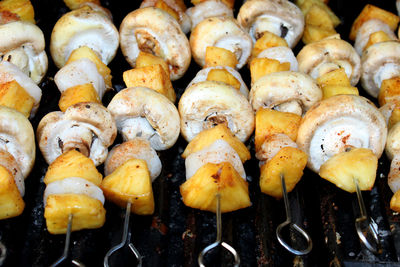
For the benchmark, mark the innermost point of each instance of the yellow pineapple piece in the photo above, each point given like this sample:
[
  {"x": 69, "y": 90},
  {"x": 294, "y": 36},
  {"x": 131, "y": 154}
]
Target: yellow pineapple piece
[
  {"x": 394, "y": 117},
  {"x": 86, "y": 52},
  {"x": 357, "y": 163},
  {"x": 200, "y": 191},
  {"x": 22, "y": 8},
  {"x": 77, "y": 94},
  {"x": 319, "y": 17},
  {"x": 262, "y": 66},
  {"x": 289, "y": 162},
  {"x": 377, "y": 37},
  {"x": 395, "y": 202},
  {"x": 147, "y": 59},
  {"x": 267, "y": 40},
  {"x": 373, "y": 12},
  {"x": 313, "y": 33},
  {"x": 335, "y": 77},
  {"x": 306, "y": 5},
  {"x": 228, "y": 3},
  {"x": 72, "y": 164},
  {"x": 389, "y": 91},
  {"x": 130, "y": 182},
  {"x": 14, "y": 96},
  {"x": 88, "y": 212},
  {"x": 209, "y": 136},
  {"x": 222, "y": 75},
  {"x": 331, "y": 90},
  {"x": 217, "y": 56},
  {"x": 269, "y": 121},
  {"x": 164, "y": 6},
  {"x": 153, "y": 77},
  {"x": 11, "y": 202},
  {"x": 74, "y": 4}
]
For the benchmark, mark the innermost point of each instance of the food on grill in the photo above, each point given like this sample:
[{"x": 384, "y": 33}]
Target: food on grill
[
  {"x": 260, "y": 67},
  {"x": 318, "y": 24},
  {"x": 14, "y": 96},
  {"x": 222, "y": 75},
  {"x": 75, "y": 4},
  {"x": 153, "y": 31},
  {"x": 218, "y": 56},
  {"x": 336, "y": 82},
  {"x": 147, "y": 59},
  {"x": 208, "y": 9},
  {"x": 281, "y": 18},
  {"x": 389, "y": 91},
  {"x": 220, "y": 32},
  {"x": 306, "y": 5},
  {"x": 228, "y": 3},
  {"x": 267, "y": 40},
  {"x": 21, "y": 9}
]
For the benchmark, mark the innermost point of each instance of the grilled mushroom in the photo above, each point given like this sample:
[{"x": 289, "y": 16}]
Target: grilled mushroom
[
  {"x": 220, "y": 32},
  {"x": 282, "y": 54},
  {"x": 143, "y": 112},
  {"x": 206, "y": 104},
  {"x": 85, "y": 26},
  {"x": 86, "y": 127},
  {"x": 280, "y": 17},
  {"x": 208, "y": 9},
  {"x": 393, "y": 153},
  {"x": 337, "y": 123},
  {"x": 154, "y": 31}
]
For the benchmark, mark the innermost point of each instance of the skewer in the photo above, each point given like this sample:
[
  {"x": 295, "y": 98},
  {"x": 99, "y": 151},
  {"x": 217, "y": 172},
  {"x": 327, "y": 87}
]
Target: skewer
[
  {"x": 218, "y": 241},
  {"x": 289, "y": 221},
  {"x": 360, "y": 225},
  {"x": 124, "y": 240},
  {"x": 3, "y": 253}
]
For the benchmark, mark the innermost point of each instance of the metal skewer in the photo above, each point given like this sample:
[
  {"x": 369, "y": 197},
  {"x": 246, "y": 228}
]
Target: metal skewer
[
  {"x": 124, "y": 240},
  {"x": 64, "y": 256},
  {"x": 289, "y": 222},
  {"x": 360, "y": 223},
  {"x": 218, "y": 241}
]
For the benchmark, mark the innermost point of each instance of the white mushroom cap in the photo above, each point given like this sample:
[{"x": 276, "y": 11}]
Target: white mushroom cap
[
  {"x": 218, "y": 152},
  {"x": 272, "y": 145},
  {"x": 220, "y": 32},
  {"x": 394, "y": 174},
  {"x": 18, "y": 139},
  {"x": 22, "y": 43},
  {"x": 286, "y": 91},
  {"x": 8, "y": 161},
  {"x": 143, "y": 112},
  {"x": 340, "y": 122},
  {"x": 280, "y": 17},
  {"x": 83, "y": 27},
  {"x": 387, "y": 109},
  {"x": 379, "y": 62},
  {"x": 282, "y": 54},
  {"x": 184, "y": 20},
  {"x": 393, "y": 142},
  {"x": 87, "y": 127},
  {"x": 73, "y": 185},
  {"x": 203, "y": 73},
  {"x": 329, "y": 54},
  {"x": 10, "y": 72},
  {"x": 137, "y": 148},
  {"x": 153, "y": 30},
  {"x": 79, "y": 72},
  {"x": 368, "y": 28},
  {"x": 208, "y": 9},
  {"x": 206, "y": 104}
]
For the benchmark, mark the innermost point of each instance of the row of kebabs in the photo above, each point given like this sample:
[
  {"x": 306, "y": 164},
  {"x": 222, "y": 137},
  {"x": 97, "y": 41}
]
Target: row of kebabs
[{"x": 340, "y": 137}]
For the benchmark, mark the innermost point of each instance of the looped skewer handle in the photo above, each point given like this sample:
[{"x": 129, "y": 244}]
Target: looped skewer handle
[
  {"x": 218, "y": 241},
  {"x": 360, "y": 223},
  {"x": 293, "y": 225},
  {"x": 124, "y": 240}
]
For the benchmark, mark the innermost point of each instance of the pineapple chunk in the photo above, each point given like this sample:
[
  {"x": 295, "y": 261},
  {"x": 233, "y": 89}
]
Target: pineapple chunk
[
  {"x": 200, "y": 191},
  {"x": 377, "y": 37},
  {"x": 72, "y": 164},
  {"x": 331, "y": 90},
  {"x": 22, "y": 8},
  {"x": 130, "y": 182},
  {"x": 11, "y": 202},
  {"x": 222, "y": 75},
  {"x": 394, "y": 117},
  {"x": 14, "y": 96},
  {"x": 305, "y": 6},
  {"x": 77, "y": 94},
  {"x": 146, "y": 59},
  {"x": 164, "y": 6},
  {"x": 390, "y": 91},
  {"x": 217, "y": 56},
  {"x": 86, "y": 52},
  {"x": 88, "y": 213},
  {"x": 209, "y": 136},
  {"x": 269, "y": 121},
  {"x": 153, "y": 77},
  {"x": 289, "y": 162},
  {"x": 335, "y": 77},
  {"x": 74, "y": 4},
  {"x": 358, "y": 163},
  {"x": 319, "y": 17},
  {"x": 262, "y": 66},
  {"x": 267, "y": 40},
  {"x": 313, "y": 33},
  {"x": 228, "y": 3},
  {"x": 373, "y": 12},
  {"x": 395, "y": 202}
]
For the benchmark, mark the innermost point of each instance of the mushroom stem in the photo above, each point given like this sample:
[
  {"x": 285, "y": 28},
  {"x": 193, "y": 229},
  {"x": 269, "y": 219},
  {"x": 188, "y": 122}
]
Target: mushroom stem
[
  {"x": 136, "y": 127},
  {"x": 76, "y": 137},
  {"x": 394, "y": 174}
]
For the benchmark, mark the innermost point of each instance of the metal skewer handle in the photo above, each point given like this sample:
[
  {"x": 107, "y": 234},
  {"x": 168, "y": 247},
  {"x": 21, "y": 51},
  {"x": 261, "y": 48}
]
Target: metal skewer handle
[
  {"x": 291, "y": 224},
  {"x": 218, "y": 241}
]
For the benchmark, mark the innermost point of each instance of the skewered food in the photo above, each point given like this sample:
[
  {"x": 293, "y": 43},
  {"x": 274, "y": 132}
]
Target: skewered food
[{"x": 208, "y": 9}]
